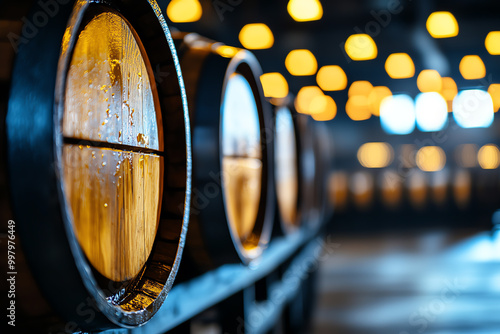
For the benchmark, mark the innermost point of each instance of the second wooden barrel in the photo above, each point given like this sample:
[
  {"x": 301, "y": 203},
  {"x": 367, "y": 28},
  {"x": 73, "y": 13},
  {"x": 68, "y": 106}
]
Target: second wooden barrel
[{"x": 232, "y": 207}]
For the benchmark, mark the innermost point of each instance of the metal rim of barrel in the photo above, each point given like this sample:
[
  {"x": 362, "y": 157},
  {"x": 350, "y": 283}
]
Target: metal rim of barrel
[
  {"x": 34, "y": 139},
  {"x": 206, "y": 70}
]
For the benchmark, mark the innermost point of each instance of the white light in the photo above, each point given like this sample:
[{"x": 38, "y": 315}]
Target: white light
[
  {"x": 397, "y": 114},
  {"x": 240, "y": 119},
  {"x": 473, "y": 108},
  {"x": 431, "y": 111}
]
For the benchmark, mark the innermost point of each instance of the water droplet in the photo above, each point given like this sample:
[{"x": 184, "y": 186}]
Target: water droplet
[
  {"x": 103, "y": 163},
  {"x": 142, "y": 139},
  {"x": 105, "y": 205}
]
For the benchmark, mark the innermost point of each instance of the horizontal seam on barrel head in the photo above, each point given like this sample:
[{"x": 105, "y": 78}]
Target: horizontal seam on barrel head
[{"x": 115, "y": 146}]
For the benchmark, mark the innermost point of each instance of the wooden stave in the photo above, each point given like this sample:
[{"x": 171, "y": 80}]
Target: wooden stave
[{"x": 175, "y": 215}]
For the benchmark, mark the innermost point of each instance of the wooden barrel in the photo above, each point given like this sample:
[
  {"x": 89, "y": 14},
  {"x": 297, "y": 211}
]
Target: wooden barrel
[
  {"x": 99, "y": 158},
  {"x": 417, "y": 188},
  {"x": 362, "y": 190},
  {"x": 338, "y": 185},
  {"x": 316, "y": 167},
  {"x": 462, "y": 188},
  {"x": 390, "y": 184},
  {"x": 325, "y": 152},
  {"x": 232, "y": 206},
  {"x": 293, "y": 187}
]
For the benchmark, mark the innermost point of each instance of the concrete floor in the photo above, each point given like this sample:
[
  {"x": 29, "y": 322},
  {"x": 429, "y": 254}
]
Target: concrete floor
[{"x": 438, "y": 282}]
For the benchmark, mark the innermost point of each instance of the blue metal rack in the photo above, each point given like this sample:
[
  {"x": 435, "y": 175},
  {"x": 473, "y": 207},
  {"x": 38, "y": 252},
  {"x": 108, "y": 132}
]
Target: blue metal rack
[{"x": 290, "y": 259}]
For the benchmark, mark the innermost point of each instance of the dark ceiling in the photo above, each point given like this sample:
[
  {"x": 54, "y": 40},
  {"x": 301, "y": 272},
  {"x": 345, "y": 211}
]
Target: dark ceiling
[{"x": 396, "y": 26}]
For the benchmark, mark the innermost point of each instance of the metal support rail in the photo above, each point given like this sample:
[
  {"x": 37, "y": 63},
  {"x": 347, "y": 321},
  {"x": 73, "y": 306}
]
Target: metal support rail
[{"x": 292, "y": 256}]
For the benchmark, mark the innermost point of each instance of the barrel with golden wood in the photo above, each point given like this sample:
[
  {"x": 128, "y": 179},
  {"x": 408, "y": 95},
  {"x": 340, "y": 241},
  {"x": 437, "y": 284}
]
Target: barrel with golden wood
[
  {"x": 99, "y": 159},
  {"x": 293, "y": 187},
  {"x": 232, "y": 206},
  {"x": 287, "y": 171}
]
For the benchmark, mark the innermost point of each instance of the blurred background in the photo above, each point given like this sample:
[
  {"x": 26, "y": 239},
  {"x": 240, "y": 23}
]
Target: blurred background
[{"x": 409, "y": 92}]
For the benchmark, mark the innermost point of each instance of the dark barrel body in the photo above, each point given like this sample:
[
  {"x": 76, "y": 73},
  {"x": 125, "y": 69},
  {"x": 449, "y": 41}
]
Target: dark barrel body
[
  {"x": 208, "y": 68},
  {"x": 124, "y": 167}
]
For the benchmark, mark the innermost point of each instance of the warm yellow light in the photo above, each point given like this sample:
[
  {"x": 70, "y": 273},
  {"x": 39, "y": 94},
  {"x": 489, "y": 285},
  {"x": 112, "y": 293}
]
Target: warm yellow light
[
  {"x": 417, "y": 189},
  {"x": 256, "y": 36},
  {"x": 318, "y": 104},
  {"x": 391, "y": 187},
  {"x": 305, "y": 10},
  {"x": 361, "y": 47},
  {"x": 399, "y": 66},
  {"x": 375, "y": 155},
  {"x": 488, "y": 156},
  {"x": 376, "y": 96},
  {"x": 305, "y": 97},
  {"x": 494, "y": 90},
  {"x": 338, "y": 189},
  {"x": 274, "y": 85},
  {"x": 472, "y": 67},
  {"x": 492, "y": 42},
  {"x": 361, "y": 186},
  {"x": 431, "y": 158},
  {"x": 439, "y": 187},
  {"x": 361, "y": 87},
  {"x": 181, "y": 11},
  {"x": 227, "y": 51},
  {"x": 442, "y": 25},
  {"x": 331, "y": 78},
  {"x": 449, "y": 90},
  {"x": 358, "y": 108},
  {"x": 462, "y": 188},
  {"x": 301, "y": 62},
  {"x": 429, "y": 81},
  {"x": 323, "y": 108}
]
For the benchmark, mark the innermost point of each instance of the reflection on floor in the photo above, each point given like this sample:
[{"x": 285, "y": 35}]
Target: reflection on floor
[{"x": 434, "y": 282}]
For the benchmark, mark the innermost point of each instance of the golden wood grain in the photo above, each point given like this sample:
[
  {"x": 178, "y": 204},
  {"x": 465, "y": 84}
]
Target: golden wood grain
[
  {"x": 242, "y": 186},
  {"x": 113, "y": 193}
]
